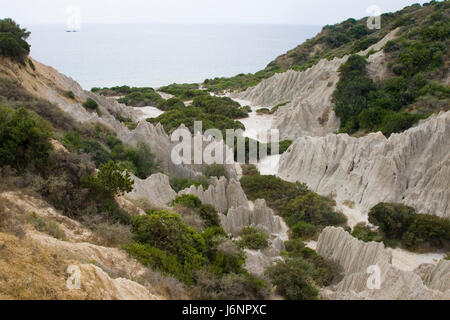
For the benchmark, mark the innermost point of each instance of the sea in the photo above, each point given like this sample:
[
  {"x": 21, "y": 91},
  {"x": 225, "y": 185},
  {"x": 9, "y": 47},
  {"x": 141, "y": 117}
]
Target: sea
[{"x": 154, "y": 55}]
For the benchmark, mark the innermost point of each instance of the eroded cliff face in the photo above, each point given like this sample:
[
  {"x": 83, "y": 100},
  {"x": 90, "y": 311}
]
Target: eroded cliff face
[
  {"x": 222, "y": 194},
  {"x": 356, "y": 256},
  {"x": 309, "y": 93},
  {"x": 47, "y": 83},
  {"x": 105, "y": 272},
  {"x": 156, "y": 189},
  {"x": 412, "y": 167}
]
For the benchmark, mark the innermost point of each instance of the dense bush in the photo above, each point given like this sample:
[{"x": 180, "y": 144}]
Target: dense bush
[
  {"x": 293, "y": 279},
  {"x": 414, "y": 231},
  {"x": 350, "y": 96},
  {"x": 174, "y": 118},
  {"x": 393, "y": 219},
  {"x": 205, "y": 211},
  {"x": 90, "y": 104},
  {"x": 13, "y": 42},
  {"x": 24, "y": 139},
  {"x": 110, "y": 181},
  {"x": 305, "y": 212},
  {"x": 179, "y": 184},
  {"x": 253, "y": 239},
  {"x": 216, "y": 170},
  {"x": 366, "y": 234},
  {"x": 172, "y": 103},
  {"x": 185, "y": 91},
  {"x": 139, "y": 160},
  {"x": 220, "y": 105},
  {"x": 165, "y": 243},
  {"x": 141, "y": 97},
  {"x": 314, "y": 210}
]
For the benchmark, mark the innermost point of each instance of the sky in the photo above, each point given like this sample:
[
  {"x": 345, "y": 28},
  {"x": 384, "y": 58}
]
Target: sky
[{"x": 317, "y": 12}]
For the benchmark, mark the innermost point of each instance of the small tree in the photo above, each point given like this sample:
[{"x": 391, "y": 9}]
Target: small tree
[
  {"x": 13, "y": 42},
  {"x": 110, "y": 181},
  {"x": 90, "y": 104},
  {"x": 24, "y": 138}
]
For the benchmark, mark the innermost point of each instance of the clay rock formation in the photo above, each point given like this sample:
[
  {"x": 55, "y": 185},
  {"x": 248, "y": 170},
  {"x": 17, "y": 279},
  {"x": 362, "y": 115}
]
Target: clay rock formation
[
  {"x": 356, "y": 256},
  {"x": 309, "y": 93},
  {"x": 412, "y": 167},
  {"x": 222, "y": 193},
  {"x": 155, "y": 189},
  {"x": 260, "y": 217},
  {"x": 310, "y": 111},
  {"x": 97, "y": 282}
]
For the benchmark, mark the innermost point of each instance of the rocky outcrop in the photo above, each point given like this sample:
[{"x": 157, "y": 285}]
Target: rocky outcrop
[
  {"x": 357, "y": 257},
  {"x": 438, "y": 277},
  {"x": 310, "y": 111},
  {"x": 222, "y": 194},
  {"x": 259, "y": 216},
  {"x": 309, "y": 93},
  {"x": 156, "y": 189},
  {"x": 412, "y": 167}
]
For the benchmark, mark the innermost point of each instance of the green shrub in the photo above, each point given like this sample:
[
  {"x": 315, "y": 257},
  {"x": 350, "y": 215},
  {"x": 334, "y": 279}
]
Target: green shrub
[
  {"x": 164, "y": 234},
  {"x": 303, "y": 230},
  {"x": 415, "y": 231},
  {"x": 324, "y": 272},
  {"x": 366, "y": 234},
  {"x": 110, "y": 181},
  {"x": 69, "y": 94},
  {"x": 427, "y": 231},
  {"x": 207, "y": 212},
  {"x": 253, "y": 239},
  {"x": 186, "y": 91},
  {"x": 216, "y": 170},
  {"x": 263, "y": 111},
  {"x": 174, "y": 118},
  {"x": 90, "y": 104},
  {"x": 312, "y": 209},
  {"x": 179, "y": 184},
  {"x": 172, "y": 103},
  {"x": 293, "y": 279},
  {"x": 220, "y": 106},
  {"x": 24, "y": 139},
  {"x": 393, "y": 219}
]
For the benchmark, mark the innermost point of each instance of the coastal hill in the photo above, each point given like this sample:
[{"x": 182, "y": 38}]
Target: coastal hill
[{"x": 89, "y": 189}]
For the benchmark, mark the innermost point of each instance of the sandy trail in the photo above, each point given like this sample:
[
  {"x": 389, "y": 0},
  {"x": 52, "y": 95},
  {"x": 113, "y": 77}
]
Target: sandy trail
[{"x": 148, "y": 112}]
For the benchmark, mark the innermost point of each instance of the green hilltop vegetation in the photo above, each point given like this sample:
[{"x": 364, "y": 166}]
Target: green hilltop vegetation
[
  {"x": 348, "y": 37},
  {"x": 417, "y": 59}
]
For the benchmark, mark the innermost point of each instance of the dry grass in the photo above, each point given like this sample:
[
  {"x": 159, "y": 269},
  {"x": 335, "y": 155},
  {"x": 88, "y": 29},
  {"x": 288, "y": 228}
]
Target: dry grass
[{"x": 31, "y": 272}]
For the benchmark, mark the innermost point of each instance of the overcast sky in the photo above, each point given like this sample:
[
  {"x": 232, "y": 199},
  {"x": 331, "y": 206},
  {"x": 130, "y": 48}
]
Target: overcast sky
[{"x": 196, "y": 11}]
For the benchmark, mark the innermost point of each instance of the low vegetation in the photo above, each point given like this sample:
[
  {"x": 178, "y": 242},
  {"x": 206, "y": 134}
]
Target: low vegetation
[
  {"x": 202, "y": 260},
  {"x": 186, "y": 91},
  {"x": 132, "y": 96},
  {"x": 13, "y": 40},
  {"x": 24, "y": 139},
  {"x": 253, "y": 239},
  {"x": 401, "y": 224},
  {"x": 302, "y": 273}
]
